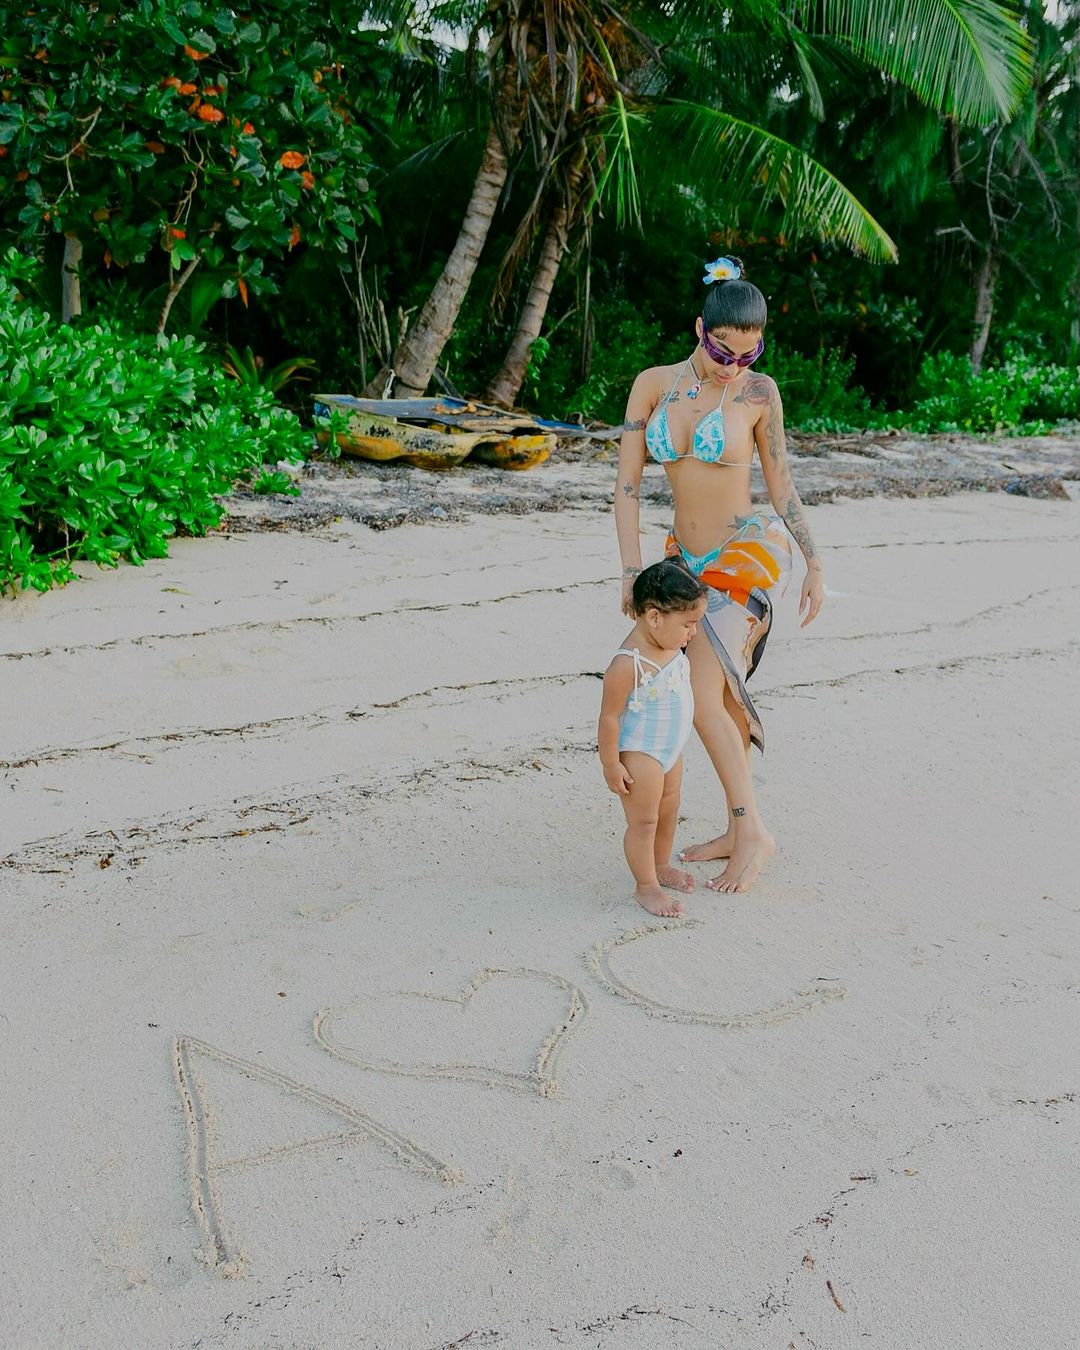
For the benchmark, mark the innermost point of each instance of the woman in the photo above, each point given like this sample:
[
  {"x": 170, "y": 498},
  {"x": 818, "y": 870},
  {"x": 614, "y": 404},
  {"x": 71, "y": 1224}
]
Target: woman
[{"x": 701, "y": 420}]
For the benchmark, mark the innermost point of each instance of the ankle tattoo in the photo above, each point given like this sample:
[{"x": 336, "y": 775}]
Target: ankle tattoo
[{"x": 738, "y": 810}]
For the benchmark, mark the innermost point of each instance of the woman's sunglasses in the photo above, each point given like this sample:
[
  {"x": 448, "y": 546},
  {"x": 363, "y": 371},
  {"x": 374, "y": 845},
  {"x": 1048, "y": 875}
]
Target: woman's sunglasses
[{"x": 723, "y": 358}]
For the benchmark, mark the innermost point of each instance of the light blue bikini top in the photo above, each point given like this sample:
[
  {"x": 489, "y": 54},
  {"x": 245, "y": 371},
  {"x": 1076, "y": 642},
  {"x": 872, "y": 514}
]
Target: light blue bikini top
[{"x": 707, "y": 441}]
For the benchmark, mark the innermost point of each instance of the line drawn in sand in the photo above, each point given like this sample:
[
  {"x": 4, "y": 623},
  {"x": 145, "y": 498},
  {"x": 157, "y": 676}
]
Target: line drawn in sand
[
  {"x": 539, "y": 1078},
  {"x": 221, "y": 1252},
  {"x": 598, "y": 960}
]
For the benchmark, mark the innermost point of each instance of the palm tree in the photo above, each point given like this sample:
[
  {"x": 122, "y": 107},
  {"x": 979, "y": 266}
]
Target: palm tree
[
  {"x": 996, "y": 181},
  {"x": 961, "y": 59},
  {"x": 584, "y": 85},
  {"x": 525, "y": 35}
]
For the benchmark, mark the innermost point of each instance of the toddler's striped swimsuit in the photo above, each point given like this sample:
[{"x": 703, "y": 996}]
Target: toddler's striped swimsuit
[{"x": 659, "y": 714}]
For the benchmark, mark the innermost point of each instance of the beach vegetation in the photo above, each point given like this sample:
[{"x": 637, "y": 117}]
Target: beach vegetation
[
  {"x": 112, "y": 442},
  {"x": 511, "y": 202}
]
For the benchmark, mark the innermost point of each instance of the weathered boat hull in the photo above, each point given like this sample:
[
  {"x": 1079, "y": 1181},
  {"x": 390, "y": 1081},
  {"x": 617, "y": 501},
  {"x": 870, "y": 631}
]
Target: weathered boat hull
[
  {"x": 381, "y": 438},
  {"x": 515, "y": 452}
]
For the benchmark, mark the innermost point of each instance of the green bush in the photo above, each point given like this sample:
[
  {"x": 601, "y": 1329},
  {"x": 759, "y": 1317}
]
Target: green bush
[
  {"x": 625, "y": 343},
  {"x": 1018, "y": 395},
  {"x": 110, "y": 443},
  {"x": 818, "y": 394}
]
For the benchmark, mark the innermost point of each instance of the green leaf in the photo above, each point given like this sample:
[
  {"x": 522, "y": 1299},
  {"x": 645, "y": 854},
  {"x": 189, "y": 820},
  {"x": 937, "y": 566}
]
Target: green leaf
[
  {"x": 727, "y": 161},
  {"x": 970, "y": 59}
]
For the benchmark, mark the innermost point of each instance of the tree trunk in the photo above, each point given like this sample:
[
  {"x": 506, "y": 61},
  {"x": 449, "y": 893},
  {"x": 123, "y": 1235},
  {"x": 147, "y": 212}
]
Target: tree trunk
[
  {"x": 70, "y": 289},
  {"x": 419, "y": 350},
  {"x": 506, "y": 385},
  {"x": 985, "y": 286},
  {"x": 1074, "y": 327}
]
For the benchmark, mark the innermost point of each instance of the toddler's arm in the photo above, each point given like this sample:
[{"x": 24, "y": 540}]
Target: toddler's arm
[{"x": 618, "y": 682}]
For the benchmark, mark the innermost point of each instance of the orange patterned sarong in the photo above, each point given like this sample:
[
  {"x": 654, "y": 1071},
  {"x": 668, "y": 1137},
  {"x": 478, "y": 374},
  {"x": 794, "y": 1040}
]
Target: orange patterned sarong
[{"x": 740, "y": 575}]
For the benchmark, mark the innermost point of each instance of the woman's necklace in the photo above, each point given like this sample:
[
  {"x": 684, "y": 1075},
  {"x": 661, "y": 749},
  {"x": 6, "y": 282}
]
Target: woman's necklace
[{"x": 695, "y": 388}]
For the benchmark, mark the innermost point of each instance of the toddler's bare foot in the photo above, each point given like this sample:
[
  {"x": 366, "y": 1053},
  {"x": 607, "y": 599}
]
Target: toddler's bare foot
[
  {"x": 671, "y": 876},
  {"x": 711, "y": 850},
  {"x": 747, "y": 859},
  {"x": 657, "y": 902}
]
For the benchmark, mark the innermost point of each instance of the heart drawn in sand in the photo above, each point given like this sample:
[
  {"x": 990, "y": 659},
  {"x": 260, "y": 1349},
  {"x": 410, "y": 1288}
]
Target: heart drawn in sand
[
  {"x": 598, "y": 959},
  {"x": 539, "y": 1078}
]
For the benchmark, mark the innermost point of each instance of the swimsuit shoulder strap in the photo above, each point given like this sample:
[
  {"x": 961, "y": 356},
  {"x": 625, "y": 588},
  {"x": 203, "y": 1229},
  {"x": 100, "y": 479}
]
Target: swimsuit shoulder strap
[
  {"x": 682, "y": 371},
  {"x": 639, "y": 661},
  {"x": 636, "y": 655}
]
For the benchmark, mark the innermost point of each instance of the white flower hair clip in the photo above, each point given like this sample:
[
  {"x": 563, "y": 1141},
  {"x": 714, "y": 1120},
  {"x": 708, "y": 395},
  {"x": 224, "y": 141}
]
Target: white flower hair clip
[{"x": 723, "y": 269}]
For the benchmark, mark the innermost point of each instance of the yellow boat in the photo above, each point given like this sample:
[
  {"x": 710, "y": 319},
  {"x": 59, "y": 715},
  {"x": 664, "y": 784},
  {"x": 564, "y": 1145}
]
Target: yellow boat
[{"x": 435, "y": 434}]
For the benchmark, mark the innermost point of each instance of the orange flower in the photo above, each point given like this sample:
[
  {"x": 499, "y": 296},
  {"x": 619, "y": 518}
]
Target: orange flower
[
  {"x": 155, "y": 147},
  {"x": 241, "y": 286},
  {"x": 233, "y": 151},
  {"x": 195, "y": 104},
  {"x": 294, "y": 237},
  {"x": 186, "y": 89},
  {"x": 22, "y": 176},
  {"x": 212, "y": 91},
  {"x": 308, "y": 180},
  {"x": 102, "y": 213},
  {"x": 170, "y": 82},
  {"x": 249, "y": 130},
  {"x": 3, "y": 152},
  {"x": 195, "y": 55},
  {"x": 108, "y": 257},
  {"x": 209, "y": 113},
  {"x": 292, "y": 159},
  {"x": 176, "y": 232}
]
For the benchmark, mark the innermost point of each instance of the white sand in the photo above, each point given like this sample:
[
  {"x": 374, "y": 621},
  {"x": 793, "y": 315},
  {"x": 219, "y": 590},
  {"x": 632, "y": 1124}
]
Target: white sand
[{"x": 326, "y": 1020}]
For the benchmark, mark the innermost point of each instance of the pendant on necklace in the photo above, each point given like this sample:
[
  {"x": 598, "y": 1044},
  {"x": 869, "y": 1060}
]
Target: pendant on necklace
[{"x": 694, "y": 389}]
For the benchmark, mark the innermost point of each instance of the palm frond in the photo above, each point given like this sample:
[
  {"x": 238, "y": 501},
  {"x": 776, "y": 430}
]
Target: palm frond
[
  {"x": 811, "y": 87},
  {"x": 970, "y": 59},
  {"x": 727, "y": 160},
  {"x": 619, "y": 168}
]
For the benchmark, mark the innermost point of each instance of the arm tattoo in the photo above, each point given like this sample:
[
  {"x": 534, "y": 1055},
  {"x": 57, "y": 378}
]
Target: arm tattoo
[
  {"x": 631, "y": 571},
  {"x": 629, "y": 491},
  {"x": 796, "y": 523},
  {"x": 774, "y": 435},
  {"x": 738, "y": 810},
  {"x": 638, "y": 424}
]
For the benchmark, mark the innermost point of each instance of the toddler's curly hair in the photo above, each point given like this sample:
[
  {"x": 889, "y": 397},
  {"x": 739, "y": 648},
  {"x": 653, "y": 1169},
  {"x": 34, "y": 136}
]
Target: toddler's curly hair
[{"x": 667, "y": 586}]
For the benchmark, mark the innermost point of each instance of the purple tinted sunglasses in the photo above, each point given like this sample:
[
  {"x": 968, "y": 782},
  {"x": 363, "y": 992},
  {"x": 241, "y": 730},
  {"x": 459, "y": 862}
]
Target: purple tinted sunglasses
[{"x": 725, "y": 358}]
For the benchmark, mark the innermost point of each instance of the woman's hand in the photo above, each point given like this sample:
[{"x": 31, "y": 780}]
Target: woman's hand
[
  {"x": 813, "y": 593},
  {"x": 629, "y": 576},
  {"x": 618, "y": 779}
]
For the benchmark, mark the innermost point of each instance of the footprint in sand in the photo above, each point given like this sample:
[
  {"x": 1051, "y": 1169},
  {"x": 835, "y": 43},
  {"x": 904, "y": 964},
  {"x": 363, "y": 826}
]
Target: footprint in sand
[
  {"x": 475, "y": 1008},
  {"x": 599, "y": 962}
]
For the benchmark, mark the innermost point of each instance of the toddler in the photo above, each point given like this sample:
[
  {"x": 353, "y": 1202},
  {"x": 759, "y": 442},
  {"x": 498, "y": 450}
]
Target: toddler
[{"x": 645, "y": 721}]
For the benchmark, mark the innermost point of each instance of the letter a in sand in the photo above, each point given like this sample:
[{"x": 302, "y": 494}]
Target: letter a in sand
[{"x": 222, "y": 1252}]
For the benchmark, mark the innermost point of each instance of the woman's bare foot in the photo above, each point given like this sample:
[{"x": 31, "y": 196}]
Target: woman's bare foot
[
  {"x": 671, "y": 876},
  {"x": 747, "y": 860},
  {"x": 711, "y": 850},
  {"x": 658, "y": 902}
]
